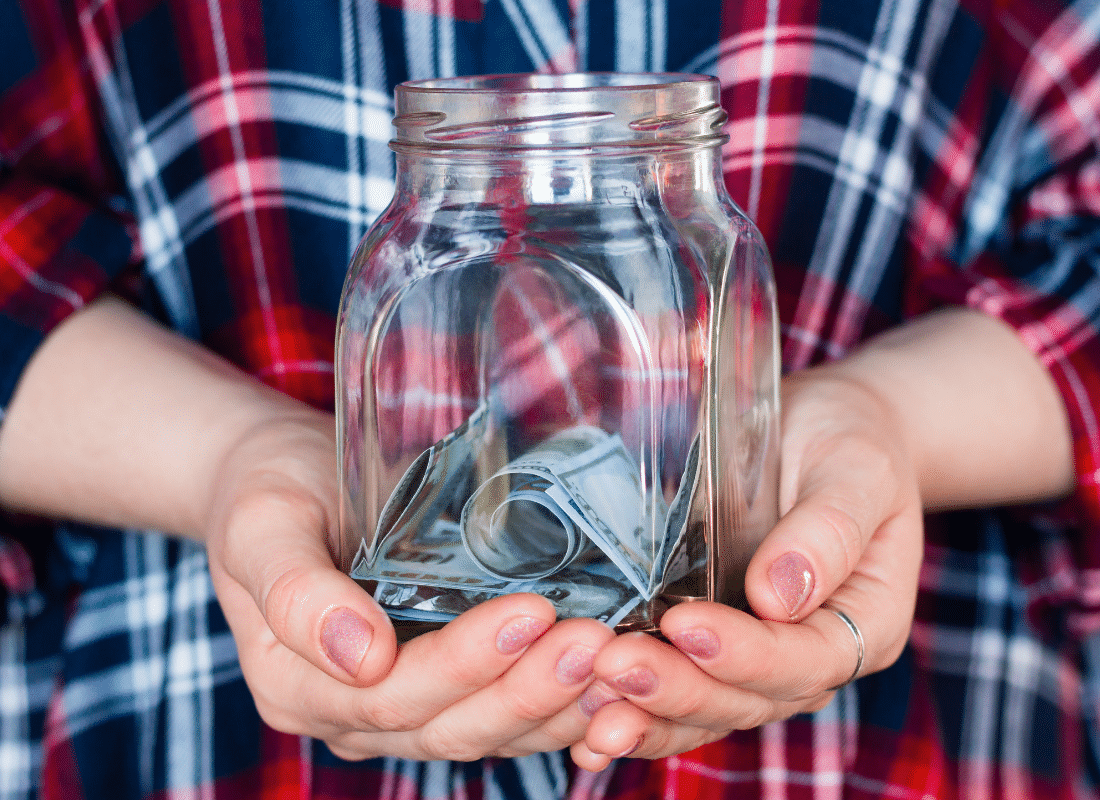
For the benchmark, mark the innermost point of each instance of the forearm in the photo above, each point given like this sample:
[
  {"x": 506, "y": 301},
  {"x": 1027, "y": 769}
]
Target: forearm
[
  {"x": 982, "y": 418},
  {"x": 119, "y": 421}
]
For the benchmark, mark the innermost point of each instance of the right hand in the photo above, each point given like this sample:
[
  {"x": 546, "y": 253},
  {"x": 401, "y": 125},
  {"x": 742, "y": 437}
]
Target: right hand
[{"x": 320, "y": 656}]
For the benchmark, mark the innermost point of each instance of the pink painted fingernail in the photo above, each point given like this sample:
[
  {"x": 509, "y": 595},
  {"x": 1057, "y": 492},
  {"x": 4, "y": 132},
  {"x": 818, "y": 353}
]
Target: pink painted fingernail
[
  {"x": 575, "y": 665},
  {"x": 639, "y": 682},
  {"x": 698, "y": 642},
  {"x": 345, "y": 636},
  {"x": 594, "y": 698},
  {"x": 519, "y": 633},
  {"x": 633, "y": 748},
  {"x": 793, "y": 580}
]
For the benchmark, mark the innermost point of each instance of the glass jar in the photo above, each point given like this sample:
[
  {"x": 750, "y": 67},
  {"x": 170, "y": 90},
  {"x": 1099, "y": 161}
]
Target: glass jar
[{"x": 557, "y": 355}]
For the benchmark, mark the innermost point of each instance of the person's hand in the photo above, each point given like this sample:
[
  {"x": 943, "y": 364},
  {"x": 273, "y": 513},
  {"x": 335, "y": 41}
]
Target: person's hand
[
  {"x": 850, "y": 535},
  {"x": 320, "y": 656}
]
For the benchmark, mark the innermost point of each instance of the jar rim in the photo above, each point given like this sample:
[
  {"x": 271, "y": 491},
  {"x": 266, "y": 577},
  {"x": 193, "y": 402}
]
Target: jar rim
[
  {"x": 572, "y": 111},
  {"x": 544, "y": 82}
]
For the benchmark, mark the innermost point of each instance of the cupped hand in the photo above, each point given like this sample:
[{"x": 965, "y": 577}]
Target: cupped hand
[
  {"x": 320, "y": 656},
  {"x": 849, "y": 538}
]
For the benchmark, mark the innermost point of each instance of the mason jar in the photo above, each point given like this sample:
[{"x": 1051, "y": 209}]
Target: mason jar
[{"x": 557, "y": 355}]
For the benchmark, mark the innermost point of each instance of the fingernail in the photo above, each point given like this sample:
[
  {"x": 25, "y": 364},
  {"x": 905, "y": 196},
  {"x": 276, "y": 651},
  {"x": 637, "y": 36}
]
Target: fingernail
[
  {"x": 575, "y": 665},
  {"x": 519, "y": 633},
  {"x": 698, "y": 642},
  {"x": 345, "y": 636},
  {"x": 594, "y": 698},
  {"x": 793, "y": 580},
  {"x": 639, "y": 682},
  {"x": 635, "y": 746}
]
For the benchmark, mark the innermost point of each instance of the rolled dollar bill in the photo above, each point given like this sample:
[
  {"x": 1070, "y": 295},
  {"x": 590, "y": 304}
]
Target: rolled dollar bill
[
  {"x": 580, "y": 488},
  {"x": 512, "y": 527},
  {"x": 572, "y": 518}
]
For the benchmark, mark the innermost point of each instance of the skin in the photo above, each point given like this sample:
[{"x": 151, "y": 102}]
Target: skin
[
  {"x": 949, "y": 411},
  {"x": 118, "y": 421}
]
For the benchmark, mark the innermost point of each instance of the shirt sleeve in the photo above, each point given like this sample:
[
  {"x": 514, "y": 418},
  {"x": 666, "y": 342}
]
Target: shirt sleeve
[
  {"x": 1009, "y": 221},
  {"x": 65, "y": 236}
]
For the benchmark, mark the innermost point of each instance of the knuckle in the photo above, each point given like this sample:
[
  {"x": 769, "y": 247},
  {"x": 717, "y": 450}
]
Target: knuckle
[
  {"x": 388, "y": 714},
  {"x": 447, "y": 745},
  {"x": 846, "y": 531},
  {"x": 526, "y": 707},
  {"x": 815, "y": 682},
  {"x": 465, "y": 673},
  {"x": 514, "y": 751},
  {"x": 818, "y": 703},
  {"x": 759, "y": 712},
  {"x": 687, "y": 706},
  {"x": 353, "y": 746},
  {"x": 284, "y": 598},
  {"x": 343, "y": 752}
]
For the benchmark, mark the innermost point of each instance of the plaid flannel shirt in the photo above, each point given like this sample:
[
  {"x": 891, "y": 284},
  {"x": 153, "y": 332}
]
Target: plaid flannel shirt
[{"x": 218, "y": 161}]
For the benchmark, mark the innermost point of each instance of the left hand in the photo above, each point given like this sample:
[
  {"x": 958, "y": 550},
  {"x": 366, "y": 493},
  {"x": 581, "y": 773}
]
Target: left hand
[{"x": 850, "y": 534}]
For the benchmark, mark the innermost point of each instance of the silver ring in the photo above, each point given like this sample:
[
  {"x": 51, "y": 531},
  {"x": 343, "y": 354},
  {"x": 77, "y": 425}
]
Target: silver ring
[{"x": 859, "y": 646}]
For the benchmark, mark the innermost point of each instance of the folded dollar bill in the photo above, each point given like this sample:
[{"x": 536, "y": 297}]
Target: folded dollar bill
[{"x": 574, "y": 519}]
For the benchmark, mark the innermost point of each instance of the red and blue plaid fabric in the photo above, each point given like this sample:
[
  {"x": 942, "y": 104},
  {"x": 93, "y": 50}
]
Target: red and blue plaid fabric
[{"x": 218, "y": 162}]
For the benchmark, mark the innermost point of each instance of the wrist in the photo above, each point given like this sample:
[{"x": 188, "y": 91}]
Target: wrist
[
  {"x": 981, "y": 418},
  {"x": 261, "y": 436},
  {"x": 117, "y": 421}
]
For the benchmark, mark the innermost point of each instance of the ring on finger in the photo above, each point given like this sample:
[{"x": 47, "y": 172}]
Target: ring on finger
[{"x": 859, "y": 646}]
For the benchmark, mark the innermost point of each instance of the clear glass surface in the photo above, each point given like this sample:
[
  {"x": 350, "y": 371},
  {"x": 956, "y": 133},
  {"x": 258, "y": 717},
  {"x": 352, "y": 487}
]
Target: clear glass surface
[{"x": 557, "y": 355}]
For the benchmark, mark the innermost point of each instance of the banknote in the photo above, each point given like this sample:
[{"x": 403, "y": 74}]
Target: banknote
[
  {"x": 432, "y": 556},
  {"x": 570, "y": 519},
  {"x": 524, "y": 536},
  {"x": 440, "y": 562},
  {"x": 594, "y": 591},
  {"x": 591, "y": 477},
  {"x": 676, "y": 522},
  {"x": 604, "y": 485},
  {"x": 432, "y": 482}
]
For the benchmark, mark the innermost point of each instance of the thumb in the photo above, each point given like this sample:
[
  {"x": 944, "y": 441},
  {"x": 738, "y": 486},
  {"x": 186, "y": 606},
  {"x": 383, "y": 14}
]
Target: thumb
[
  {"x": 842, "y": 501},
  {"x": 272, "y": 556}
]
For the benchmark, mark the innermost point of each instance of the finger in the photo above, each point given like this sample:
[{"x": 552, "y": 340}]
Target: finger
[
  {"x": 658, "y": 679},
  {"x": 818, "y": 543},
  {"x": 530, "y": 708},
  {"x": 534, "y": 708},
  {"x": 273, "y": 547},
  {"x": 584, "y": 758},
  {"x": 430, "y": 673},
  {"x": 789, "y": 663},
  {"x": 622, "y": 729},
  {"x": 290, "y": 693},
  {"x": 438, "y": 669}
]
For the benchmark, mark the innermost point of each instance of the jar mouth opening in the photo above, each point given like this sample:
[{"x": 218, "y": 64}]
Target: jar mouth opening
[
  {"x": 521, "y": 82},
  {"x": 569, "y": 111}
]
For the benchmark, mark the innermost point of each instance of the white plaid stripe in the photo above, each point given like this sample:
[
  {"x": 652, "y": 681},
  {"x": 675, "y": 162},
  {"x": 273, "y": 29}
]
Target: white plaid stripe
[
  {"x": 169, "y": 608},
  {"x": 278, "y": 96},
  {"x": 761, "y": 119},
  {"x": 1002, "y": 169},
  {"x": 1006, "y": 668},
  {"x": 174, "y": 663},
  {"x": 159, "y": 230},
  {"x": 242, "y": 174},
  {"x": 370, "y": 164},
  {"x": 168, "y": 672},
  {"x": 20, "y": 757},
  {"x": 640, "y": 35},
  {"x": 355, "y": 195},
  {"x": 430, "y": 41},
  {"x": 542, "y": 31},
  {"x": 861, "y": 157}
]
